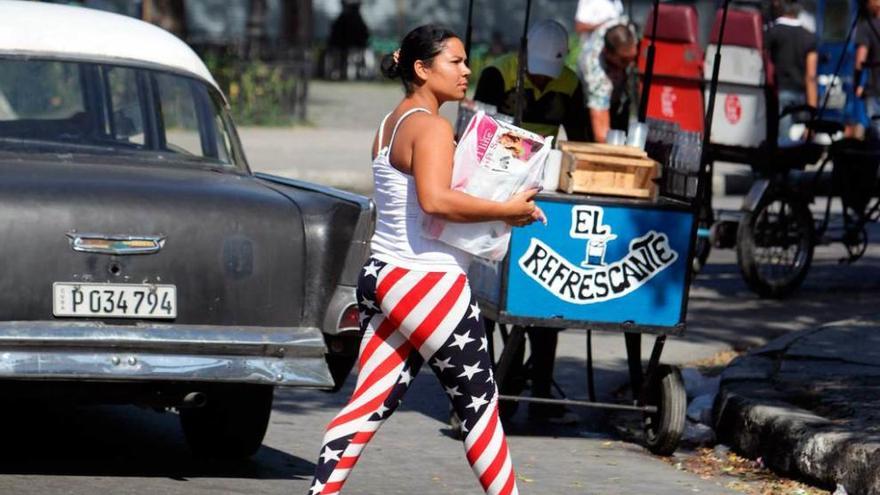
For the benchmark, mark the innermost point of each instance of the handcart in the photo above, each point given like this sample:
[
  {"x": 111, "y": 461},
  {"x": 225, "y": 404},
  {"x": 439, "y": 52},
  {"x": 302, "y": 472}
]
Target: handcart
[
  {"x": 601, "y": 263},
  {"x": 605, "y": 263}
]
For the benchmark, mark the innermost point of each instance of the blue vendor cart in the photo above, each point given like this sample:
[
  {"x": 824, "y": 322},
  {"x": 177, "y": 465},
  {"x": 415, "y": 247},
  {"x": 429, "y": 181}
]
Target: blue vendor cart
[
  {"x": 606, "y": 263},
  {"x": 600, "y": 263}
]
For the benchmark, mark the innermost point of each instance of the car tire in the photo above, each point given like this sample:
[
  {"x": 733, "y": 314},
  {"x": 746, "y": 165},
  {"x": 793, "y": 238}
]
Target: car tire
[{"x": 232, "y": 423}]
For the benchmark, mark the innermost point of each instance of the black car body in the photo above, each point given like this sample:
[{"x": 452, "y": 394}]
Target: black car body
[{"x": 145, "y": 262}]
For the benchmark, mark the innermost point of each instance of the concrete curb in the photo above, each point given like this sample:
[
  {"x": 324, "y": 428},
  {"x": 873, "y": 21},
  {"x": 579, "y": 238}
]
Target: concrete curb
[{"x": 754, "y": 418}]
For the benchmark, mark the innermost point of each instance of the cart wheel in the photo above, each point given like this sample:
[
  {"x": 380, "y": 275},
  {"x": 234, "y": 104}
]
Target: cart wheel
[
  {"x": 663, "y": 429},
  {"x": 774, "y": 244}
]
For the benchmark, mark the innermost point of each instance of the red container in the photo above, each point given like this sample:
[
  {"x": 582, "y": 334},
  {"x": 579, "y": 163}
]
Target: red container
[
  {"x": 746, "y": 103},
  {"x": 676, "y": 91},
  {"x": 744, "y": 28}
]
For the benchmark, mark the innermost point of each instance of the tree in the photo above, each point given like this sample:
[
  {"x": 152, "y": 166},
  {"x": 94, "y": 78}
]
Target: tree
[{"x": 167, "y": 14}]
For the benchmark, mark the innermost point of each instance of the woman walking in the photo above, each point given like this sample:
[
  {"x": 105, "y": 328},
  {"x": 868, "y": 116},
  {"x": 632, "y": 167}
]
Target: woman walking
[{"x": 415, "y": 301}]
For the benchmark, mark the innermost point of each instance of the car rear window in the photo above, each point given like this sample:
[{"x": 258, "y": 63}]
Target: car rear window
[
  {"x": 77, "y": 105},
  {"x": 40, "y": 91}
]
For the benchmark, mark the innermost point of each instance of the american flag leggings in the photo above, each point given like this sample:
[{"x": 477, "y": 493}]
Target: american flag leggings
[{"x": 434, "y": 314}]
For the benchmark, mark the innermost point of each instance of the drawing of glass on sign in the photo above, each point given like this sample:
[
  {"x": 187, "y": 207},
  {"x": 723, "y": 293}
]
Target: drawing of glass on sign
[{"x": 586, "y": 223}]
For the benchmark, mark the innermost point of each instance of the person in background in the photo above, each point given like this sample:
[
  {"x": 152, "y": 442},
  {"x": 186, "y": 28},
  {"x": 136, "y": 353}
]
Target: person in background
[
  {"x": 349, "y": 36},
  {"x": 554, "y": 98},
  {"x": 792, "y": 48},
  {"x": 497, "y": 46},
  {"x": 613, "y": 51},
  {"x": 868, "y": 65},
  {"x": 553, "y": 94},
  {"x": 593, "y": 14}
]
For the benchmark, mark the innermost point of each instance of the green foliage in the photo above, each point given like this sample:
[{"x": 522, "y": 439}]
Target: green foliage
[{"x": 260, "y": 93}]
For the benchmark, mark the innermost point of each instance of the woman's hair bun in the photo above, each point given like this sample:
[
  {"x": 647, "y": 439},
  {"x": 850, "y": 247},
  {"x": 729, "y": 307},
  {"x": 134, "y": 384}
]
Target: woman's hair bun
[
  {"x": 421, "y": 44},
  {"x": 390, "y": 67}
]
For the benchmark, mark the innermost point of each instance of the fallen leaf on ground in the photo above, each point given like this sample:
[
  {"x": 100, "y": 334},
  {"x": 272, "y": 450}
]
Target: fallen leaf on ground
[{"x": 752, "y": 478}]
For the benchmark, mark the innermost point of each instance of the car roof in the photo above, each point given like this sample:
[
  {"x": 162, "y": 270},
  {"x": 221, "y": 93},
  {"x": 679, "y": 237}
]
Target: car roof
[{"x": 63, "y": 31}]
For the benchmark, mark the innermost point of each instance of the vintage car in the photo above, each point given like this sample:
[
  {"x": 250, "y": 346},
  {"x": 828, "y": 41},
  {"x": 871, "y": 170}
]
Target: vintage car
[{"x": 143, "y": 261}]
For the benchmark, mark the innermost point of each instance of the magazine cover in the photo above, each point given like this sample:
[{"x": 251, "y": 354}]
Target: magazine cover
[{"x": 494, "y": 160}]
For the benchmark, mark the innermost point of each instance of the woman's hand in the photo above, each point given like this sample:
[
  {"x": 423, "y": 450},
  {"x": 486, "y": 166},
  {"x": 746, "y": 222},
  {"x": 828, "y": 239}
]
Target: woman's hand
[{"x": 522, "y": 210}]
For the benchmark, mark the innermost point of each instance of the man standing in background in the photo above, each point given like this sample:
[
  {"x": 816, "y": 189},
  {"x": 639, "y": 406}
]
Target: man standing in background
[
  {"x": 867, "y": 78},
  {"x": 591, "y": 20},
  {"x": 347, "y": 43},
  {"x": 613, "y": 49},
  {"x": 553, "y": 96},
  {"x": 793, "y": 51},
  {"x": 593, "y": 14}
]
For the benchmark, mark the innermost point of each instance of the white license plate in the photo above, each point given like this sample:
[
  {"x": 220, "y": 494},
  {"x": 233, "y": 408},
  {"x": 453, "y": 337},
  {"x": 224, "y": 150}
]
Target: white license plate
[{"x": 114, "y": 300}]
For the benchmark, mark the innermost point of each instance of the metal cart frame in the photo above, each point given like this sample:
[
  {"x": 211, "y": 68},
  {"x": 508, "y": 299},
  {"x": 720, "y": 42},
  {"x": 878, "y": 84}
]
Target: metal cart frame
[{"x": 657, "y": 389}]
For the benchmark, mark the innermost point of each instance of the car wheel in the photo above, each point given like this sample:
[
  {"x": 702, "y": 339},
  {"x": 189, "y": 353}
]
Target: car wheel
[{"x": 232, "y": 423}]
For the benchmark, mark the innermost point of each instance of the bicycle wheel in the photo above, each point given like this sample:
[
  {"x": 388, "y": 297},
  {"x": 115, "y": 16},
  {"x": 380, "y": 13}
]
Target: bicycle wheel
[{"x": 775, "y": 243}]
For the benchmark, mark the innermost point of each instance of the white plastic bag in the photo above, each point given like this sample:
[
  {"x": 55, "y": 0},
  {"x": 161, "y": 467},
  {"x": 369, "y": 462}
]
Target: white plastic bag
[{"x": 494, "y": 161}]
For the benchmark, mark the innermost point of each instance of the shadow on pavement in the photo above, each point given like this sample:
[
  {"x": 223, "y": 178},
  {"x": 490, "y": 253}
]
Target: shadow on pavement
[
  {"x": 121, "y": 441},
  {"x": 722, "y": 311}
]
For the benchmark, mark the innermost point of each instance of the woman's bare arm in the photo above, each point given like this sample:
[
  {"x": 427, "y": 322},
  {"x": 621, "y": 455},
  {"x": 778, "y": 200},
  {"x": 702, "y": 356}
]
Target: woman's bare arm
[
  {"x": 585, "y": 27},
  {"x": 601, "y": 122},
  {"x": 861, "y": 57},
  {"x": 810, "y": 79}
]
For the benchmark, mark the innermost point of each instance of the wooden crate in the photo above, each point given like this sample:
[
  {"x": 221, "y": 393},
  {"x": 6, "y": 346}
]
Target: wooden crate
[{"x": 604, "y": 169}]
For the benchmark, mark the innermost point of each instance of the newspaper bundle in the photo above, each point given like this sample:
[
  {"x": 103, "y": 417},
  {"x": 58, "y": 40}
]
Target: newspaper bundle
[{"x": 494, "y": 160}]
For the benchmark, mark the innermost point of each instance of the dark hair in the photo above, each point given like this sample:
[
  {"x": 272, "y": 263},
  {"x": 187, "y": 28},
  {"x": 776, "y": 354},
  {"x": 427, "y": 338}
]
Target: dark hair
[
  {"x": 618, "y": 37},
  {"x": 422, "y": 43},
  {"x": 787, "y": 8}
]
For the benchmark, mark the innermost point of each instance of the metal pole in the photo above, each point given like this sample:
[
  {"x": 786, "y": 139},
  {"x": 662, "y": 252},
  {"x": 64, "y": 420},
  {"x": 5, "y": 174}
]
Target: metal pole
[
  {"x": 710, "y": 111},
  {"x": 649, "y": 66},
  {"x": 521, "y": 71},
  {"x": 591, "y": 386},
  {"x": 469, "y": 29},
  {"x": 713, "y": 84},
  {"x": 580, "y": 403}
]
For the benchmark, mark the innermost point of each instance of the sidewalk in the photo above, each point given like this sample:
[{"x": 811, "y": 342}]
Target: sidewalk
[
  {"x": 335, "y": 149},
  {"x": 808, "y": 404}
]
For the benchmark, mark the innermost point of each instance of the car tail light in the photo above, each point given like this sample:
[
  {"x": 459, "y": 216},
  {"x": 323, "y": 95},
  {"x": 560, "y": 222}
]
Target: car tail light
[{"x": 349, "y": 320}]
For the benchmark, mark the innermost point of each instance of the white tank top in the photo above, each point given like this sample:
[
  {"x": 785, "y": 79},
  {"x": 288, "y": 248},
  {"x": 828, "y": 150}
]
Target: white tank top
[{"x": 398, "y": 239}]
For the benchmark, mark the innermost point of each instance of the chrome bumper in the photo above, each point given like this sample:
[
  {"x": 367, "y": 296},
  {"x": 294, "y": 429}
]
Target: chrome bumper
[{"x": 47, "y": 350}]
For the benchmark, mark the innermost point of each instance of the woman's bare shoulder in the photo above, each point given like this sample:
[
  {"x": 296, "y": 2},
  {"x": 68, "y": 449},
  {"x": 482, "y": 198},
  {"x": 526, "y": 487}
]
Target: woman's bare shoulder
[{"x": 430, "y": 126}]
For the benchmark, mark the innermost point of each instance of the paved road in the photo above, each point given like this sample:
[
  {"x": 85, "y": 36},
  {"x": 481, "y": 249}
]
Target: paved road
[{"x": 125, "y": 450}]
